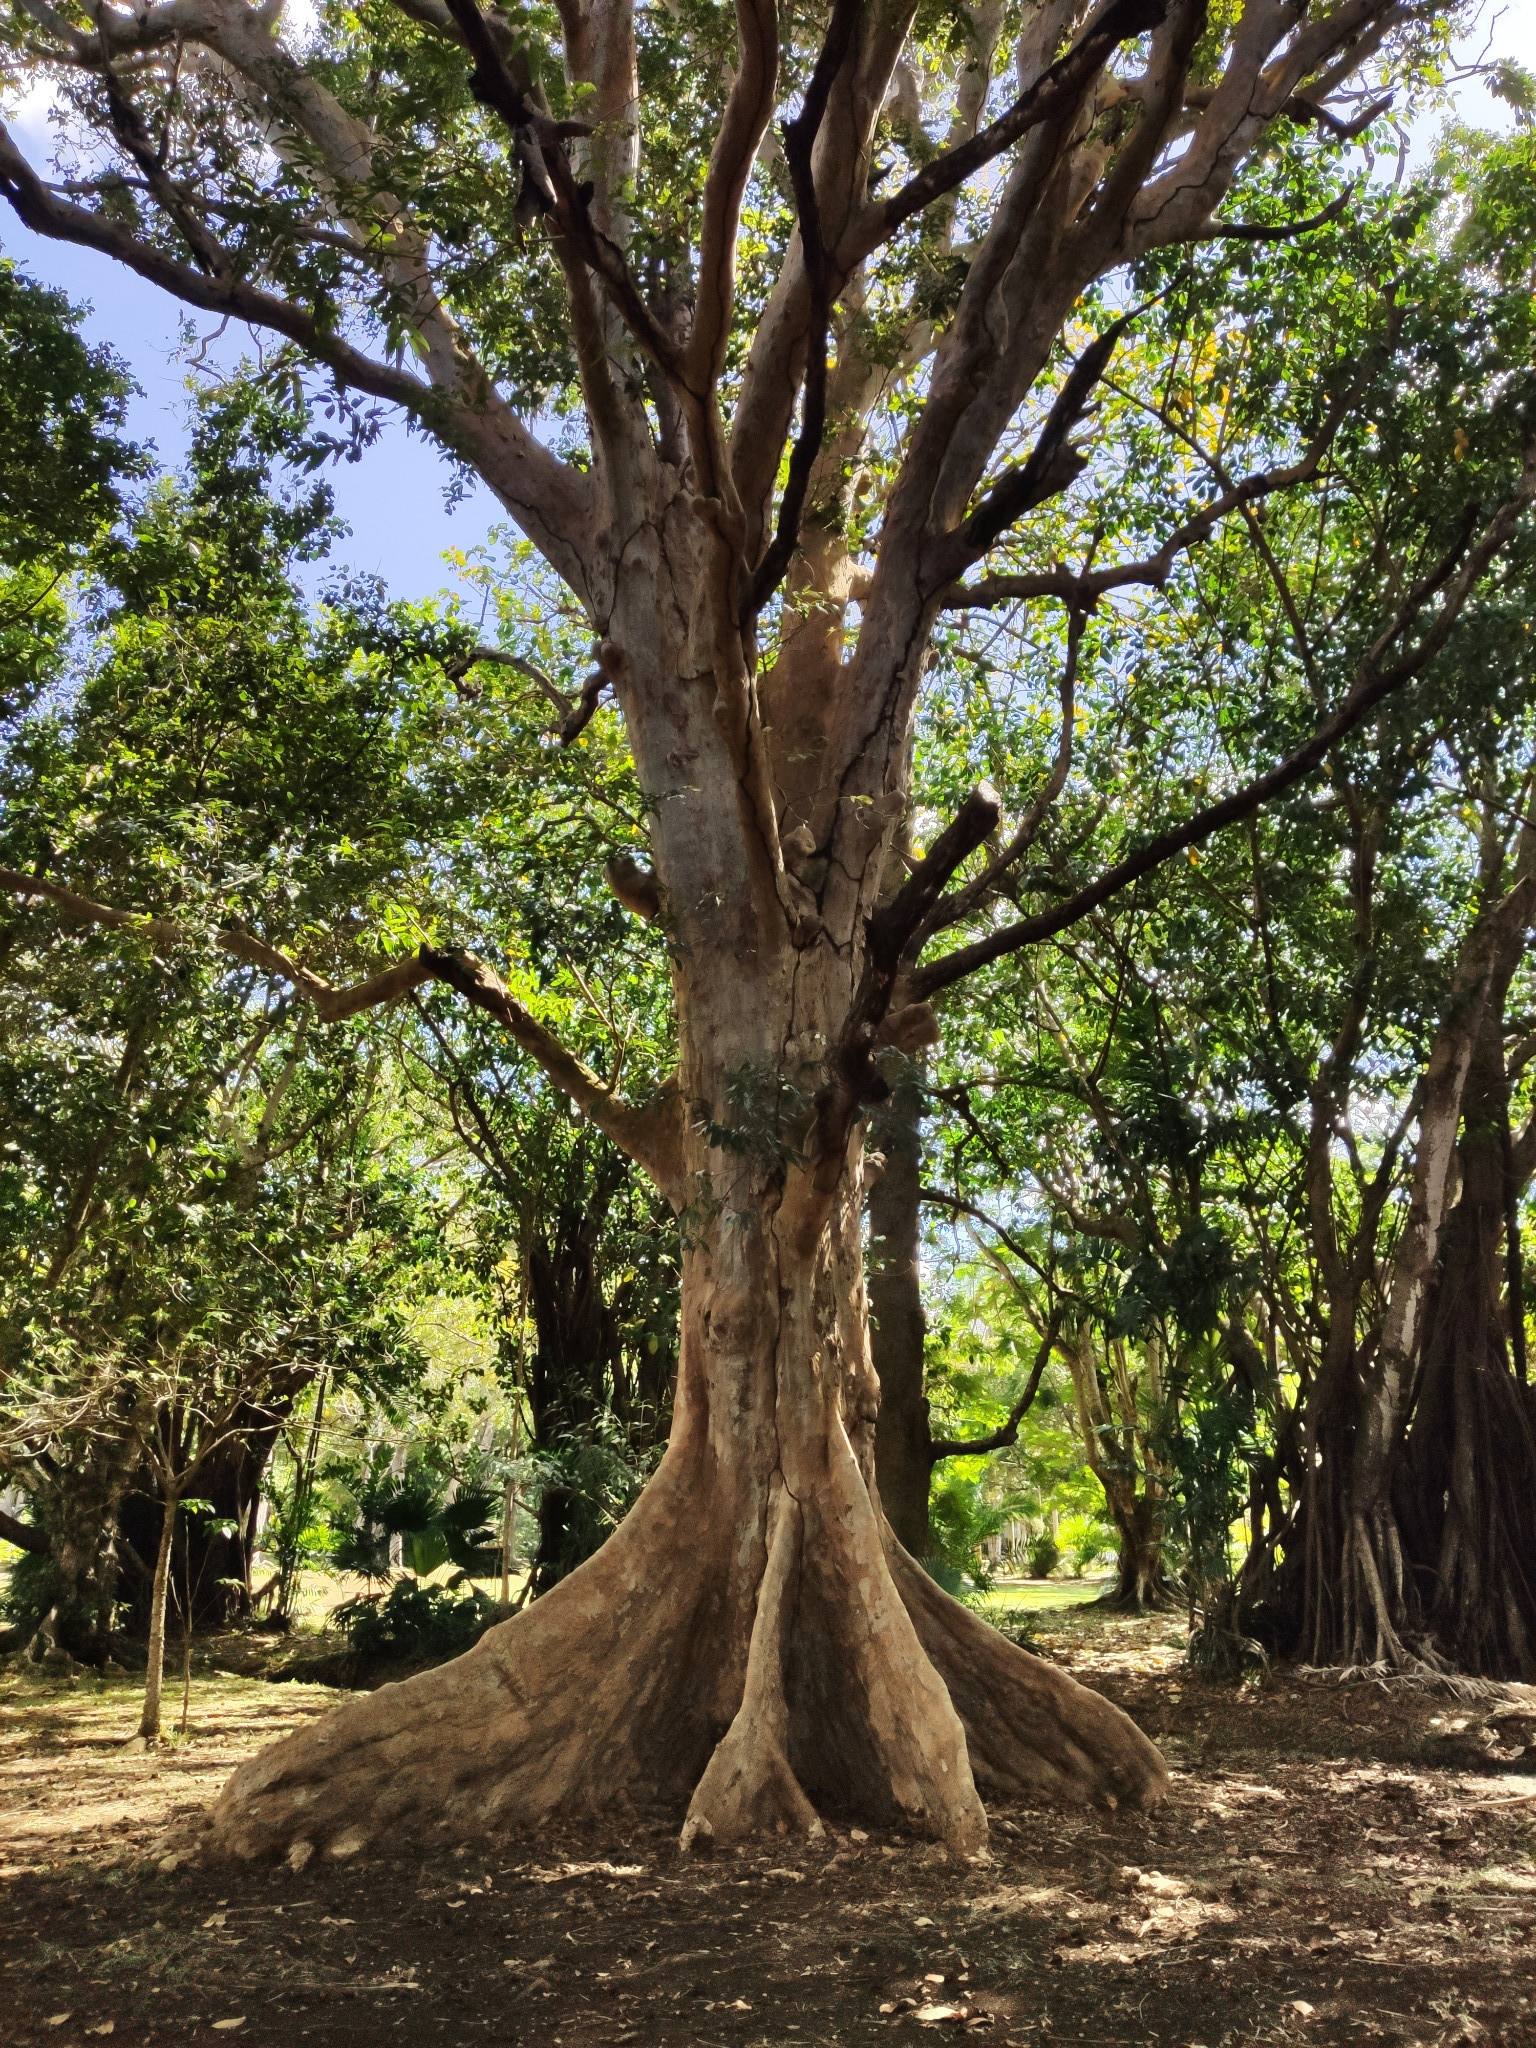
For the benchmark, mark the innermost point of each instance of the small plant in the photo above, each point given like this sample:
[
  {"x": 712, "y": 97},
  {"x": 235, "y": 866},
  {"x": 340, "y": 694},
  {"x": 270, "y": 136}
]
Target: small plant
[
  {"x": 1019, "y": 1628},
  {"x": 959, "y": 1523},
  {"x": 415, "y": 1624},
  {"x": 414, "y": 1506},
  {"x": 1043, "y": 1554},
  {"x": 1086, "y": 1541}
]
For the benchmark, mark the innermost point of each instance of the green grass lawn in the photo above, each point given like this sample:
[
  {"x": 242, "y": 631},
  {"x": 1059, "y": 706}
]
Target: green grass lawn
[{"x": 1034, "y": 1596}]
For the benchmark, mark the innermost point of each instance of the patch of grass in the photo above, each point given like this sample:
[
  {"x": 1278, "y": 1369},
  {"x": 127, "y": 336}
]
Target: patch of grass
[{"x": 1040, "y": 1596}]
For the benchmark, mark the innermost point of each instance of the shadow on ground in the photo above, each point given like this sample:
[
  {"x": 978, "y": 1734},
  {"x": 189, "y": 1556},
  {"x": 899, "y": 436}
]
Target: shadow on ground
[{"x": 1332, "y": 1866}]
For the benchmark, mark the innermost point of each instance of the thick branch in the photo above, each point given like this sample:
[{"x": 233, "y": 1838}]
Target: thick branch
[
  {"x": 23, "y": 1535},
  {"x": 748, "y": 111},
  {"x": 652, "y": 1136},
  {"x": 1253, "y": 231},
  {"x": 1373, "y": 685},
  {"x": 1053, "y": 463},
  {"x": 799, "y": 146},
  {"x": 548, "y": 498},
  {"x": 1053, "y": 93},
  {"x": 894, "y": 924}
]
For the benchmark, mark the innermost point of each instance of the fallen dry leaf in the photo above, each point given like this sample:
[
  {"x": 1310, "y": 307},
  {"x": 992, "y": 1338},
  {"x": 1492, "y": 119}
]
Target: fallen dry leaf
[
  {"x": 228, "y": 2026},
  {"x": 931, "y": 2013},
  {"x": 57, "y": 2019}
]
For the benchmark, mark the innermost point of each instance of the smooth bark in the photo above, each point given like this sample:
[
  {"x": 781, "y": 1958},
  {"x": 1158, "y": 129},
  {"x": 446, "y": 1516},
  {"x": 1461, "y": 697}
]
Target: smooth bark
[{"x": 149, "y": 1720}]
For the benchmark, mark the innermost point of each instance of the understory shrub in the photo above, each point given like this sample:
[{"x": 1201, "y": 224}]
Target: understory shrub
[{"x": 415, "y": 1623}]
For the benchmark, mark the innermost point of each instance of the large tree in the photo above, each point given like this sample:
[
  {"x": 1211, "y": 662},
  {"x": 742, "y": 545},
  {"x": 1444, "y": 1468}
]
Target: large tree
[{"x": 800, "y": 384}]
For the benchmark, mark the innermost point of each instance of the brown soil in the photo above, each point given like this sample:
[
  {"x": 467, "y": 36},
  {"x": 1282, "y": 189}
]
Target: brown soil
[{"x": 1331, "y": 1866}]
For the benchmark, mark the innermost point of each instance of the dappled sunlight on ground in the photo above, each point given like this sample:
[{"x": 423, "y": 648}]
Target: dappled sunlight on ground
[{"x": 1338, "y": 1866}]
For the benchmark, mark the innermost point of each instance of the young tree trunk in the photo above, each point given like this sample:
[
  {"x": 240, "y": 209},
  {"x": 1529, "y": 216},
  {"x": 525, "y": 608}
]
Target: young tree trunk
[
  {"x": 1132, "y": 1496},
  {"x": 752, "y": 1645},
  {"x": 149, "y": 1720}
]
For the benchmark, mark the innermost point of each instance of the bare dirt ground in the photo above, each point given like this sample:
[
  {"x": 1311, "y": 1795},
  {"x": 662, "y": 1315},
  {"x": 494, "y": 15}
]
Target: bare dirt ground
[{"x": 1331, "y": 1866}]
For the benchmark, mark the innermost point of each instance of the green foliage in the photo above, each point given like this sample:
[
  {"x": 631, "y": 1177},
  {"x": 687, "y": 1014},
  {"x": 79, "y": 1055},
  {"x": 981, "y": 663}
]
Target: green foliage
[
  {"x": 414, "y": 1624},
  {"x": 960, "y": 1520},
  {"x": 1087, "y": 1541},
  {"x": 436, "y": 1524},
  {"x": 63, "y": 406}
]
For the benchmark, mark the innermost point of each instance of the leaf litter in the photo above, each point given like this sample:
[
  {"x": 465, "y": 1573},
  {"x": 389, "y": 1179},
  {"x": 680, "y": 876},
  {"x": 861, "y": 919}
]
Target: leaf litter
[{"x": 1334, "y": 1865}]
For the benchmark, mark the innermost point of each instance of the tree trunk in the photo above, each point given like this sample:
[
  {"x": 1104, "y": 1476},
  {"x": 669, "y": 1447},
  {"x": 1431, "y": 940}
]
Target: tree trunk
[
  {"x": 1466, "y": 1501},
  {"x": 214, "y": 1567},
  {"x": 149, "y": 1720},
  {"x": 1363, "y": 1602},
  {"x": 898, "y": 1326},
  {"x": 752, "y": 1645},
  {"x": 1131, "y": 1495}
]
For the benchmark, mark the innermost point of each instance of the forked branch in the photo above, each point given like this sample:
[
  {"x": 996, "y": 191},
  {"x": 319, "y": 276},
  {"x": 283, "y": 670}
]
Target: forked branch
[
  {"x": 799, "y": 153},
  {"x": 1053, "y": 93}
]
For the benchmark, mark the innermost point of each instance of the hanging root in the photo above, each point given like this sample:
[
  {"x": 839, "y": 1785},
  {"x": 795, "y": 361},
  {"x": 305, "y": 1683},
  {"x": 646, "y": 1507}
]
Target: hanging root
[{"x": 1030, "y": 1730}]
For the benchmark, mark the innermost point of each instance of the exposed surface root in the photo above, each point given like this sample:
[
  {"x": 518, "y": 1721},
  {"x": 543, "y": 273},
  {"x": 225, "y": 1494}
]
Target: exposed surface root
[
  {"x": 657, "y": 1674},
  {"x": 748, "y": 1786},
  {"x": 1029, "y": 1728},
  {"x": 587, "y": 1698}
]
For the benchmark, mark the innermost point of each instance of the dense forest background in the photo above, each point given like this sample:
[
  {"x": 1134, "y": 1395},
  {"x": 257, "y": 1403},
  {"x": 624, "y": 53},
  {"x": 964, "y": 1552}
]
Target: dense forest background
[{"x": 1191, "y": 1207}]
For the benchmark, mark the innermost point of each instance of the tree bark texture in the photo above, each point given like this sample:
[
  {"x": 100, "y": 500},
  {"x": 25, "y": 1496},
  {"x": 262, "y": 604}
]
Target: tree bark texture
[
  {"x": 898, "y": 1326},
  {"x": 752, "y": 1645},
  {"x": 1434, "y": 1363},
  {"x": 1465, "y": 1488}
]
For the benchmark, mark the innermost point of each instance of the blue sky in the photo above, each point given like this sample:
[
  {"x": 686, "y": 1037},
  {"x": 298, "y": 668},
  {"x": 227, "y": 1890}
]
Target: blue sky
[{"x": 393, "y": 500}]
